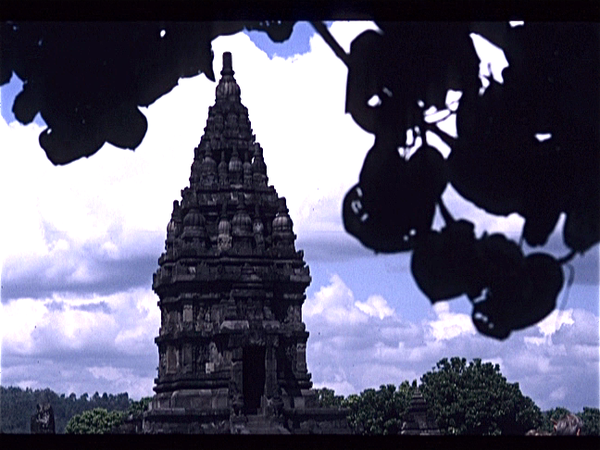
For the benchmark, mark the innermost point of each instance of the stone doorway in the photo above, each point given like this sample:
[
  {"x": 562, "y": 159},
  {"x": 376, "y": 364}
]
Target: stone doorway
[{"x": 253, "y": 366}]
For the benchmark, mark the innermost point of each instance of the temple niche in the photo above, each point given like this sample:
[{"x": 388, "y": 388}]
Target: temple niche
[{"x": 231, "y": 284}]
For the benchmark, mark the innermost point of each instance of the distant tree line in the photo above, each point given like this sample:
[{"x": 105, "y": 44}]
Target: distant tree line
[
  {"x": 18, "y": 405},
  {"x": 462, "y": 398},
  {"x": 101, "y": 421}
]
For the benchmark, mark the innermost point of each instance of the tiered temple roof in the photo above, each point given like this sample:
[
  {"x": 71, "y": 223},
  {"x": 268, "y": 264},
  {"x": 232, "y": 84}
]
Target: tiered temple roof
[{"x": 231, "y": 285}]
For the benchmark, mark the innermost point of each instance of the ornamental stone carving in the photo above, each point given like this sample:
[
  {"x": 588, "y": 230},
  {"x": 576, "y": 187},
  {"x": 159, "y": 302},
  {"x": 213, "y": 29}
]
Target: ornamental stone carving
[{"x": 231, "y": 284}]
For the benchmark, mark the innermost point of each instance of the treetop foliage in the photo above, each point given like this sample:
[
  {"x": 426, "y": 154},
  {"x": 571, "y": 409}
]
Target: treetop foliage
[
  {"x": 397, "y": 89},
  {"x": 94, "y": 421},
  {"x": 463, "y": 398},
  {"x": 476, "y": 399},
  {"x": 382, "y": 411}
]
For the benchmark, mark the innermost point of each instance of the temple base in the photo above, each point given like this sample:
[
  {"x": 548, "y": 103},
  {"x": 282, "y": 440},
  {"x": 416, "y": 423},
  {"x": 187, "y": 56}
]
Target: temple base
[{"x": 207, "y": 412}]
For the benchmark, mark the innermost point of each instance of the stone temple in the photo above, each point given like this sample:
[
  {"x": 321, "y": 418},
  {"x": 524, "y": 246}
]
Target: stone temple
[{"x": 232, "y": 344}]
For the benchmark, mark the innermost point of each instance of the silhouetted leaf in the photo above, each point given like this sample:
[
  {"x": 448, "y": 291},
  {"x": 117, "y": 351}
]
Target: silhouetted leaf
[
  {"x": 118, "y": 67},
  {"x": 365, "y": 78},
  {"x": 443, "y": 263},
  {"x": 538, "y": 226},
  {"x": 126, "y": 127},
  {"x": 394, "y": 201},
  {"x": 519, "y": 292},
  {"x": 543, "y": 281}
]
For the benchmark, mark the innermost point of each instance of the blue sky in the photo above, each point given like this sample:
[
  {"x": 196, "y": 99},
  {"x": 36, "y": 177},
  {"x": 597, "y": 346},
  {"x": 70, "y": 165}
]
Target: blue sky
[{"x": 80, "y": 244}]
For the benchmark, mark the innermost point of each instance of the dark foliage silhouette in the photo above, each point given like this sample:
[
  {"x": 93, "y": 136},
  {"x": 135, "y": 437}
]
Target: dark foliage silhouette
[
  {"x": 88, "y": 79},
  {"x": 497, "y": 160}
]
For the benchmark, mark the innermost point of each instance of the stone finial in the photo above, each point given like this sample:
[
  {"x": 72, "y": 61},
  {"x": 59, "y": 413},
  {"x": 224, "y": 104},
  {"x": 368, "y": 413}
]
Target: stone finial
[{"x": 227, "y": 64}]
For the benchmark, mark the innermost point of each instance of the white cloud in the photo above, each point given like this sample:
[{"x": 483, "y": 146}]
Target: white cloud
[
  {"x": 110, "y": 203},
  {"x": 450, "y": 325},
  {"x": 363, "y": 343},
  {"x": 18, "y": 320},
  {"x": 510, "y": 225},
  {"x": 108, "y": 373},
  {"x": 554, "y": 321},
  {"x": 100, "y": 337},
  {"x": 68, "y": 223},
  {"x": 375, "y": 306},
  {"x": 379, "y": 350},
  {"x": 341, "y": 387},
  {"x": 559, "y": 394},
  {"x": 120, "y": 322},
  {"x": 335, "y": 303}
]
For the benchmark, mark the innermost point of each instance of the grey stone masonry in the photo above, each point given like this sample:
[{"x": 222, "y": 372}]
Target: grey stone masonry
[
  {"x": 417, "y": 421},
  {"x": 231, "y": 284}
]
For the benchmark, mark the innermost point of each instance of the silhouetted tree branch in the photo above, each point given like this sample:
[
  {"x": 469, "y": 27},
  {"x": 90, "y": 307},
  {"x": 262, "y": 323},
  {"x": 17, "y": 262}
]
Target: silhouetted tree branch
[{"x": 496, "y": 162}]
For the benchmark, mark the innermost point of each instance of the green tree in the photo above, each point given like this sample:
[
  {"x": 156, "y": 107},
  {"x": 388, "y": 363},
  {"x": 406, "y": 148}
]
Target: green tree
[
  {"x": 138, "y": 407},
  {"x": 476, "y": 399},
  {"x": 328, "y": 399},
  {"x": 591, "y": 421},
  {"x": 382, "y": 411},
  {"x": 95, "y": 421},
  {"x": 131, "y": 420}
]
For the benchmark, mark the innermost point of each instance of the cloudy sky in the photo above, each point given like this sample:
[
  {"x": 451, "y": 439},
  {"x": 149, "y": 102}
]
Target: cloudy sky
[{"x": 79, "y": 245}]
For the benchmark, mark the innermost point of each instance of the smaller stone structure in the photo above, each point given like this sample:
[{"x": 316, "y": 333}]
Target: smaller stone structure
[
  {"x": 568, "y": 425},
  {"x": 417, "y": 422},
  {"x": 42, "y": 422}
]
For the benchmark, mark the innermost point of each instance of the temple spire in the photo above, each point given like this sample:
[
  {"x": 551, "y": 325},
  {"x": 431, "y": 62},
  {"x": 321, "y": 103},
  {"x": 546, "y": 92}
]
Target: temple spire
[
  {"x": 228, "y": 88},
  {"x": 232, "y": 344},
  {"x": 227, "y": 64}
]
